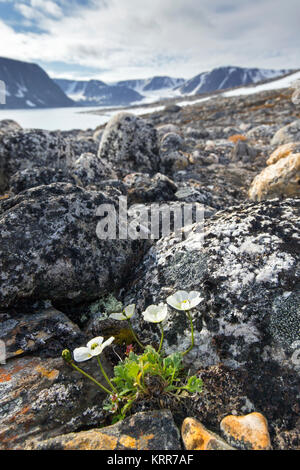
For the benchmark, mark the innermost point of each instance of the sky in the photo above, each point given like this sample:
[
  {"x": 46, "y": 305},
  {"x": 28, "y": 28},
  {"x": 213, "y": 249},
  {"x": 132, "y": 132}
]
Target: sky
[{"x": 115, "y": 40}]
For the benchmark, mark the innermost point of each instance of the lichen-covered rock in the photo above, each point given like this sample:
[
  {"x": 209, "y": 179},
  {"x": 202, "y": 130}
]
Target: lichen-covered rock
[
  {"x": 172, "y": 157},
  {"x": 262, "y": 133},
  {"x": 49, "y": 248},
  {"x": 249, "y": 432},
  {"x": 33, "y": 177},
  {"x": 283, "y": 151},
  {"x": 171, "y": 142},
  {"x": 8, "y": 125},
  {"x": 47, "y": 332},
  {"x": 289, "y": 133},
  {"x": 40, "y": 395},
  {"x": 97, "y": 136},
  {"x": 129, "y": 143},
  {"x": 282, "y": 179},
  {"x": 196, "y": 437},
  {"x": 242, "y": 152},
  {"x": 26, "y": 149},
  {"x": 166, "y": 129},
  {"x": 155, "y": 430},
  {"x": 90, "y": 170},
  {"x": 247, "y": 269},
  {"x": 143, "y": 189}
]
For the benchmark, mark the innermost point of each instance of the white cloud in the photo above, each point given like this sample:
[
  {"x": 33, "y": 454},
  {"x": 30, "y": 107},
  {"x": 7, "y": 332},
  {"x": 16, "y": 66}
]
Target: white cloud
[{"x": 179, "y": 37}]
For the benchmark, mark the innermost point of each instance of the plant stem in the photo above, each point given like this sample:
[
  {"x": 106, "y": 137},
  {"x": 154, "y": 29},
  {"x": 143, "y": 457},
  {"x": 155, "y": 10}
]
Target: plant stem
[
  {"x": 105, "y": 375},
  {"x": 89, "y": 377},
  {"x": 162, "y": 338},
  {"x": 192, "y": 334},
  {"x": 134, "y": 335}
]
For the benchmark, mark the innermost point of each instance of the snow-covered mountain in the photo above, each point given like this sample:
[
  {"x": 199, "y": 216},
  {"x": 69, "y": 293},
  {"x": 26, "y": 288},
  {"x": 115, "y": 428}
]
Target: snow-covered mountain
[
  {"x": 98, "y": 93},
  {"x": 153, "y": 84},
  {"x": 28, "y": 86},
  {"x": 226, "y": 77}
]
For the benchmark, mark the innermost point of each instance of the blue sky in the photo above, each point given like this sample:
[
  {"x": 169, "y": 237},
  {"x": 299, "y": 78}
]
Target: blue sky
[{"x": 122, "y": 39}]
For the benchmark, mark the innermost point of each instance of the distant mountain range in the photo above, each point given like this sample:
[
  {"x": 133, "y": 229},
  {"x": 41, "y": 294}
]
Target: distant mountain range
[
  {"x": 152, "y": 84},
  {"x": 227, "y": 77},
  {"x": 29, "y": 86},
  {"x": 97, "y": 93}
]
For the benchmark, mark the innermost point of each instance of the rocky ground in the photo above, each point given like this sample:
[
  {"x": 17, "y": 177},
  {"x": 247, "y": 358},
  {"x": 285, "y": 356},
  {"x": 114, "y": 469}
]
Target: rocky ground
[{"x": 240, "y": 158}]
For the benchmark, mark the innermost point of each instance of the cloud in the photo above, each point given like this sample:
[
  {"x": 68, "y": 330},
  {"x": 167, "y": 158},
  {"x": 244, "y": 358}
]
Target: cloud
[{"x": 138, "y": 39}]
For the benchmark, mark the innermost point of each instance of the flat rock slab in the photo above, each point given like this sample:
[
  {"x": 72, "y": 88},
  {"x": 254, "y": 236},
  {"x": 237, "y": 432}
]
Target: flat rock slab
[{"x": 155, "y": 430}]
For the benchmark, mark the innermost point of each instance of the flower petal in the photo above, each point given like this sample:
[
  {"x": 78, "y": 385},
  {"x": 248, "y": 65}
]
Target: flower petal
[
  {"x": 129, "y": 310},
  {"x": 81, "y": 354},
  {"x": 155, "y": 313},
  {"x": 95, "y": 342},
  {"x": 118, "y": 316},
  {"x": 107, "y": 342}
]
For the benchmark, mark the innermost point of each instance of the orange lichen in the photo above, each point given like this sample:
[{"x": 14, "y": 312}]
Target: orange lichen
[
  {"x": 236, "y": 138},
  {"x": 4, "y": 376},
  {"x": 51, "y": 375},
  {"x": 281, "y": 152},
  {"x": 91, "y": 441},
  {"x": 196, "y": 437},
  {"x": 251, "y": 430}
]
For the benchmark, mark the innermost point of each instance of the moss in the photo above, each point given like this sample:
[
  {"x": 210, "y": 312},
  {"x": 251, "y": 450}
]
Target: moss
[{"x": 123, "y": 336}]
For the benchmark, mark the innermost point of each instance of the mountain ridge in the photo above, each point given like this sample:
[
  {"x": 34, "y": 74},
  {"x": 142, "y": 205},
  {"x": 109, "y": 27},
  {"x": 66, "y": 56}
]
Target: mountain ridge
[{"x": 27, "y": 85}]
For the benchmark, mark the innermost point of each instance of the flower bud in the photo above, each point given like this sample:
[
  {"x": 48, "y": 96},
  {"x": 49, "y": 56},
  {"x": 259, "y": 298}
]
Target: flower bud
[{"x": 66, "y": 355}]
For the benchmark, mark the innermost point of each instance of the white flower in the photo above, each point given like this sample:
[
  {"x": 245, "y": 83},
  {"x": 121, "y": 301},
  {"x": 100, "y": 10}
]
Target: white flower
[
  {"x": 93, "y": 348},
  {"x": 127, "y": 313},
  {"x": 155, "y": 313},
  {"x": 183, "y": 300}
]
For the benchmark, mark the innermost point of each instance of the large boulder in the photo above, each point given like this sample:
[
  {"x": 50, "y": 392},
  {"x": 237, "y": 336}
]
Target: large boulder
[
  {"x": 289, "y": 133},
  {"x": 129, "y": 143},
  {"x": 247, "y": 270},
  {"x": 26, "y": 149},
  {"x": 49, "y": 248},
  {"x": 90, "y": 170},
  {"x": 280, "y": 179}
]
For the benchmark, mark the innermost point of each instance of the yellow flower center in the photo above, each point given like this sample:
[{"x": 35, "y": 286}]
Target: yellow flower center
[{"x": 94, "y": 346}]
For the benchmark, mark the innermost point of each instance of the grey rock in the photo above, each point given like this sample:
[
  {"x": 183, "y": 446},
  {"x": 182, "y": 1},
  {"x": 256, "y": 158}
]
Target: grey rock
[
  {"x": 172, "y": 108},
  {"x": 33, "y": 177},
  {"x": 171, "y": 142},
  {"x": 44, "y": 397},
  {"x": 242, "y": 152},
  {"x": 8, "y": 125},
  {"x": 166, "y": 129},
  {"x": 246, "y": 270},
  {"x": 129, "y": 143},
  {"x": 144, "y": 189},
  {"x": 154, "y": 430},
  {"x": 50, "y": 250},
  {"x": 27, "y": 149},
  {"x": 89, "y": 169},
  {"x": 46, "y": 333},
  {"x": 289, "y": 133}
]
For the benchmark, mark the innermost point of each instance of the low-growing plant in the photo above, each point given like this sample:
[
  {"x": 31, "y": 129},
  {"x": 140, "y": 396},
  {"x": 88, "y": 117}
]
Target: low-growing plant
[{"x": 146, "y": 375}]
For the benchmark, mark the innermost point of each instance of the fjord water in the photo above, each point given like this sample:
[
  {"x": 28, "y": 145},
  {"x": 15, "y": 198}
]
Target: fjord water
[{"x": 55, "y": 118}]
